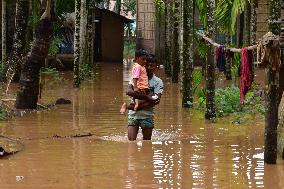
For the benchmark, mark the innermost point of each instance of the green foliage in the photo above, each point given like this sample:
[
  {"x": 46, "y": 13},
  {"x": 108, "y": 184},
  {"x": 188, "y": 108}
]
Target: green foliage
[
  {"x": 53, "y": 73},
  {"x": 129, "y": 6},
  {"x": 202, "y": 48},
  {"x": 129, "y": 49},
  {"x": 86, "y": 72},
  {"x": 160, "y": 6},
  {"x": 197, "y": 79},
  {"x": 227, "y": 102},
  {"x": 226, "y": 14},
  {"x": 2, "y": 114},
  {"x": 201, "y": 7},
  {"x": 54, "y": 46},
  {"x": 236, "y": 65}
]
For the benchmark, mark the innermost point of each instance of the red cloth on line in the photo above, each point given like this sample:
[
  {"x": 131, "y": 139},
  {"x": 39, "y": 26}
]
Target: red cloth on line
[{"x": 246, "y": 71}]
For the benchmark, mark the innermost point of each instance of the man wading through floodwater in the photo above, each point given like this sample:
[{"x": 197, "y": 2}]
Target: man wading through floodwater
[{"x": 144, "y": 116}]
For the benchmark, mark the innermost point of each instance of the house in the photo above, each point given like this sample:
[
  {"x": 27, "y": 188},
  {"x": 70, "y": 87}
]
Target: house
[{"x": 108, "y": 37}]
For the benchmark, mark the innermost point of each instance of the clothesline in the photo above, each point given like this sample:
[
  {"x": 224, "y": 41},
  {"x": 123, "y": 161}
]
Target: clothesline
[{"x": 218, "y": 45}]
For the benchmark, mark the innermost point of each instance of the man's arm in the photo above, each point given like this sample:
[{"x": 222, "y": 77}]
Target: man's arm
[{"x": 132, "y": 93}]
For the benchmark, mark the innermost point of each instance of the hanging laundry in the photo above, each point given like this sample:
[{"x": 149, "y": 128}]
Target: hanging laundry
[
  {"x": 246, "y": 71},
  {"x": 221, "y": 58}
]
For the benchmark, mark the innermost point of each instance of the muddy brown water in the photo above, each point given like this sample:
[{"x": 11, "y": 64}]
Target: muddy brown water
[{"x": 185, "y": 151}]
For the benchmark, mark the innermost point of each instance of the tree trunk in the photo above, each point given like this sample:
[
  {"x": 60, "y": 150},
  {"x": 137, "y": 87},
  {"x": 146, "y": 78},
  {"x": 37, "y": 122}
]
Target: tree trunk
[
  {"x": 188, "y": 30},
  {"x": 21, "y": 22},
  {"x": 90, "y": 38},
  {"x": 27, "y": 95},
  {"x": 271, "y": 116},
  {"x": 76, "y": 81},
  {"x": 175, "y": 43},
  {"x": 247, "y": 24},
  {"x": 83, "y": 33},
  {"x": 254, "y": 8},
  {"x": 240, "y": 31},
  {"x": 210, "y": 67},
  {"x": 4, "y": 34},
  {"x": 228, "y": 72},
  {"x": 168, "y": 70},
  {"x": 158, "y": 21}
]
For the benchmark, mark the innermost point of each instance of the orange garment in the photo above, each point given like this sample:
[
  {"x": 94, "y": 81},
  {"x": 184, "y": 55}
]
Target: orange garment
[{"x": 139, "y": 72}]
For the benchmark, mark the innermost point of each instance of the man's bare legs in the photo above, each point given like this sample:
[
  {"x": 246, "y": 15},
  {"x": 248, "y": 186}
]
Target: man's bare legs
[
  {"x": 147, "y": 133},
  {"x": 132, "y": 132}
]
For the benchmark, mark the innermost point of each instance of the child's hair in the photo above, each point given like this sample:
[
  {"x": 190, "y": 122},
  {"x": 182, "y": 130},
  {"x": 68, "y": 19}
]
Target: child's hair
[
  {"x": 152, "y": 58},
  {"x": 140, "y": 52}
]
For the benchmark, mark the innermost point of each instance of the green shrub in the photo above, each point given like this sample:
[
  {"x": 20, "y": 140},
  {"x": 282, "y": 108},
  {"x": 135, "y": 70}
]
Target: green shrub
[
  {"x": 86, "y": 72},
  {"x": 227, "y": 102},
  {"x": 2, "y": 115}
]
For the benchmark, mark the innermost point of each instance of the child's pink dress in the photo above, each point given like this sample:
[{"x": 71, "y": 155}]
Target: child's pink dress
[{"x": 139, "y": 72}]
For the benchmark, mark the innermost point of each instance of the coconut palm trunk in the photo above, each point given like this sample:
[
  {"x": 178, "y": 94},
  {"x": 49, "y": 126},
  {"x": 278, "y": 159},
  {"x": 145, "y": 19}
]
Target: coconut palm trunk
[
  {"x": 228, "y": 65},
  {"x": 247, "y": 24},
  {"x": 83, "y": 33},
  {"x": 254, "y": 6},
  {"x": 21, "y": 22},
  {"x": 167, "y": 39},
  {"x": 27, "y": 96},
  {"x": 210, "y": 67},
  {"x": 91, "y": 37},
  {"x": 271, "y": 116},
  {"x": 4, "y": 33},
  {"x": 175, "y": 43},
  {"x": 188, "y": 29},
  {"x": 76, "y": 80}
]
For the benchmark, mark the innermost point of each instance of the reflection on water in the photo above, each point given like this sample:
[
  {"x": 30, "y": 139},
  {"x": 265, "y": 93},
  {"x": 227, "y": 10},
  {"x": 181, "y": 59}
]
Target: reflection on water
[{"x": 185, "y": 151}]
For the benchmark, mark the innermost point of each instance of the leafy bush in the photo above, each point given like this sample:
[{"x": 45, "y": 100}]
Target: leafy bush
[
  {"x": 86, "y": 72},
  {"x": 129, "y": 49},
  {"x": 227, "y": 102},
  {"x": 53, "y": 73},
  {"x": 2, "y": 115},
  {"x": 54, "y": 46}
]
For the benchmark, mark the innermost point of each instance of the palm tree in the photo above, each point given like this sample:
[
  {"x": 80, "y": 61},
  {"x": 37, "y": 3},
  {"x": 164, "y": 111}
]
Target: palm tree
[
  {"x": 77, "y": 44},
  {"x": 27, "y": 95},
  {"x": 175, "y": 43},
  {"x": 21, "y": 22},
  {"x": 168, "y": 10},
  {"x": 247, "y": 24},
  {"x": 83, "y": 32},
  {"x": 271, "y": 117},
  {"x": 4, "y": 33},
  {"x": 188, "y": 30},
  {"x": 210, "y": 67}
]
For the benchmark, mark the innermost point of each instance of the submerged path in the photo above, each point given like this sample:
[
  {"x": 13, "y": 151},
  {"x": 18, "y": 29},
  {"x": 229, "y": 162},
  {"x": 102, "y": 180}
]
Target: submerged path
[{"x": 185, "y": 151}]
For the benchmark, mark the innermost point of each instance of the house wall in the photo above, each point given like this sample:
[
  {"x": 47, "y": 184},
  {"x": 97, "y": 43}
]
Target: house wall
[
  {"x": 146, "y": 25},
  {"x": 112, "y": 38}
]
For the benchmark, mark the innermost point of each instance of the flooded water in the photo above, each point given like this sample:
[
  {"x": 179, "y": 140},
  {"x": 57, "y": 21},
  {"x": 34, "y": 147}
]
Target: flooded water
[{"x": 185, "y": 151}]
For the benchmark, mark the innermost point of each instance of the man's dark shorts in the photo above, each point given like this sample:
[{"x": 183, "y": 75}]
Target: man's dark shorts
[{"x": 143, "y": 123}]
